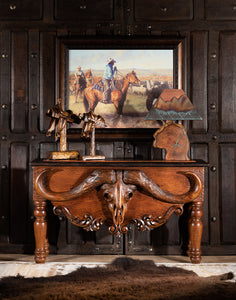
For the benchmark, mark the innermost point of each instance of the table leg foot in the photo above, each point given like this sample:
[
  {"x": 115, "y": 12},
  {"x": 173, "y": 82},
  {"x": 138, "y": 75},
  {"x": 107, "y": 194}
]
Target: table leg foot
[
  {"x": 40, "y": 231},
  {"x": 195, "y": 232},
  {"x": 195, "y": 256},
  {"x": 40, "y": 256}
]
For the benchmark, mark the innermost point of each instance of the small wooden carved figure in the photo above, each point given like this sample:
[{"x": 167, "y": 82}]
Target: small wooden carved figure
[
  {"x": 88, "y": 131},
  {"x": 59, "y": 118},
  {"x": 173, "y": 138}
]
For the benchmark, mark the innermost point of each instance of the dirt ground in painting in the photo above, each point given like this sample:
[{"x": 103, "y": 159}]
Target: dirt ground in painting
[{"x": 134, "y": 112}]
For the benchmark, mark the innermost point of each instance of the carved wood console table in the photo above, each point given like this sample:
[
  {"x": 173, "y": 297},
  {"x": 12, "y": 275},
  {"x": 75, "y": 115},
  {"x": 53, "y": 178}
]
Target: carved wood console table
[{"x": 145, "y": 193}]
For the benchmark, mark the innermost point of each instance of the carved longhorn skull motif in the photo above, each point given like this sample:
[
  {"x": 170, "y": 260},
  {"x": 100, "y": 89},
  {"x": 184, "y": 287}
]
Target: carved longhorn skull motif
[
  {"x": 117, "y": 196},
  {"x": 117, "y": 188}
]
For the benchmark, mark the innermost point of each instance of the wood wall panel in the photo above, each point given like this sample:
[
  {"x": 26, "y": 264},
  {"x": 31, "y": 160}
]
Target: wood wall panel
[
  {"x": 21, "y": 10},
  {"x": 220, "y": 10},
  {"x": 45, "y": 147},
  {"x": 102, "y": 237},
  {"x": 213, "y": 81},
  {"x": 118, "y": 150},
  {"x": 198, "y": 66},
  {"x": 228, "y": 193},
  {"x": 227, "y": 86},
  {"x": 199, "y": 151},
  {"x": 19, "y": 82},
  {"x": 34, "y": 81},
  {"x": 100, "y": 242},
  {"x": 4, "y": 195},
  {"x": 5, "y": 76},
  {"x": 77, "y": 147},
  {"x": 19, "y": 194},
  {"x": 171, "y": 230},
  {"x": 84, "y": 10},
  {"x": 163, "y": 10},
  {"x": 142, "y": 239},
  {"x": 103, "y": 148},
  {"x": 47, "y": 76},
  {"x": 142, "y": 150}
]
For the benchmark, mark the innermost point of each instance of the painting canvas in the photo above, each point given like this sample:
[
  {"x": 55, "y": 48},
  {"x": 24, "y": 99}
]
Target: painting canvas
[{"x": 152, "y": 68}]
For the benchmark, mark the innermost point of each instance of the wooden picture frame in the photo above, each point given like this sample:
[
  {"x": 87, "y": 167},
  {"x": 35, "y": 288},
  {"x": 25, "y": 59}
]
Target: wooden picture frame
[{"x": 125, "y": 45}]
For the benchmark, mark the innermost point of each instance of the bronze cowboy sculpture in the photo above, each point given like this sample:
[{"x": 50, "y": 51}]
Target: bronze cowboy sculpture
[{"x": 60, "y": 117}]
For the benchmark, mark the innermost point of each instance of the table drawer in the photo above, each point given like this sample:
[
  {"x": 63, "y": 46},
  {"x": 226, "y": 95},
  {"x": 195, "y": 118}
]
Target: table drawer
[
  {"x": 84, "y": 10},
  {"x": 220, "y": 10},
  {"x": 163, "y": 10},
  {"x": 18, "y": 9}
]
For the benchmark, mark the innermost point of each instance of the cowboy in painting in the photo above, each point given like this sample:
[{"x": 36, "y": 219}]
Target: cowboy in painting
[
  {"x": 108, "y": 76},
  {"x": 80, "y": 83},
  {"x": 79, "y": 73}
]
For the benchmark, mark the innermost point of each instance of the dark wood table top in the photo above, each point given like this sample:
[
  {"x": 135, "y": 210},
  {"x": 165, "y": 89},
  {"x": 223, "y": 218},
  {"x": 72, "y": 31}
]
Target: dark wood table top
[{"x": 120, "y": 163}]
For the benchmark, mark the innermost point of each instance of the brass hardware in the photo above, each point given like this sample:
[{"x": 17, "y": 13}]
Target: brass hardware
[
  {"x": 213, "y": 219},
  {"x": 213, "y": 168},
  {"x": 164, "y": 9},
  {"x": 213, "y": 106},
  {"x": 33, "y": 55},
  {"x": 4, "y": 55},
  {"x": 34, "y": 106},
  {"x": 12, "y": 7},
  {"x": 213, "y": 56},
  {"x": 4, "y": 106}
]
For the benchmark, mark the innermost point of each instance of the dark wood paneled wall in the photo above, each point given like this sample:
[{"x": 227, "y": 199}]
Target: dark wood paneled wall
[{"x": 30, "y": 32}]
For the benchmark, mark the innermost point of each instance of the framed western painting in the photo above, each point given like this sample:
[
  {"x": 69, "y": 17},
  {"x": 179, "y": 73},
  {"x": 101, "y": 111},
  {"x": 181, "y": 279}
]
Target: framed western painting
[{"x": 119, "y": 79}]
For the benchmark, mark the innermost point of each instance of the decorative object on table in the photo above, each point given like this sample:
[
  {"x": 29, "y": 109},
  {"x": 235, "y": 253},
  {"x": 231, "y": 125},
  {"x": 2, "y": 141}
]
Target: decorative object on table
[
  {"x": 172, "y": 105},
  {"x": 88, "y": 131},
  {"x": 144, "y": 57},
  {"x": 59, "y": 118}
]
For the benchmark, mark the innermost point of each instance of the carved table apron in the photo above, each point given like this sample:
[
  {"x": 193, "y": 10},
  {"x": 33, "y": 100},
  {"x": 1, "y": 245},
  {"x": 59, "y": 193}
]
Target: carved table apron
[{"x": 145, "y": 193}]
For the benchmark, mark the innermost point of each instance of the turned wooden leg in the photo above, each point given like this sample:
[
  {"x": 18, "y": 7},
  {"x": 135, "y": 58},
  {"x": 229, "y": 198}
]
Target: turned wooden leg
[
  {"x": 195, "y": 232},
  {"x": 40, "y": 231},
  {"x": 46, "y": 247}
]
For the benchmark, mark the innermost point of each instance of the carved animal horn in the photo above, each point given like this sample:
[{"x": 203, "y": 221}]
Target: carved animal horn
[
  {"x": 95, "y": 179},
  {"x": 145, "y": 184}
]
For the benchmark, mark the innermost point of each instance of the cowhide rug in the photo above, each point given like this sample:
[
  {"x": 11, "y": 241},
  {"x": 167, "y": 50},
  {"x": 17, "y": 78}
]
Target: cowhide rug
[{"x": 125, "y": 278}]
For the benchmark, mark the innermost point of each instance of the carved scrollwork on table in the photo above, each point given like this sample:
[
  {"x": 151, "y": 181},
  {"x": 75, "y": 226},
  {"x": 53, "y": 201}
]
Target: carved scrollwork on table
[
  {"x": 118, "y": 229},
  {"x": 117, "y": 188},
  {"x": 87, "y": 222},
  {"x": 148, "y": 222}
]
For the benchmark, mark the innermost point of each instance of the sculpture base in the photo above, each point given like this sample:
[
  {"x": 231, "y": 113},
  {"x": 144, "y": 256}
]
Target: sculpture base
[
  {"x": 92, "y": 157},
  {"x": 63, "y": 155}
]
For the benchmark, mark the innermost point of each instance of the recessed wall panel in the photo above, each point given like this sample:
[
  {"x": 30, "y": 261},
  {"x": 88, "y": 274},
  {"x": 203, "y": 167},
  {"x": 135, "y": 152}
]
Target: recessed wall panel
[
  {"x": 227, "y": 83},
  {"x": 19, "y": 75}
]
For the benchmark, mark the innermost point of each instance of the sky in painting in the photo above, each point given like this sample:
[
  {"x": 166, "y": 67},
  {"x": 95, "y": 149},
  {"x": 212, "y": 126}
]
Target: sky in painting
[{"x": 131, "y": 59}]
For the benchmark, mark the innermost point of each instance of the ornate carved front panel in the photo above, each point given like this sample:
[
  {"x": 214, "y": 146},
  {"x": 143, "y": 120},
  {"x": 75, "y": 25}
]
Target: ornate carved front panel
[{"x": 118, "y": 196}]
